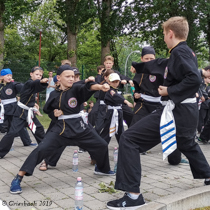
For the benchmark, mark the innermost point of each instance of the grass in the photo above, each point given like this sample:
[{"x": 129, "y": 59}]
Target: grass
[{"x": 45, "y": 120}]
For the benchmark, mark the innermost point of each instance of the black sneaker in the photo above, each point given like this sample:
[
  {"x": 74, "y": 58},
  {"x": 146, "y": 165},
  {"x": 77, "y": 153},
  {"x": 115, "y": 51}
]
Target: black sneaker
[
  {"x": 202, "y": 141},
  {"x": 207, "y": 182},
  {"x": 126, "y": 202}
]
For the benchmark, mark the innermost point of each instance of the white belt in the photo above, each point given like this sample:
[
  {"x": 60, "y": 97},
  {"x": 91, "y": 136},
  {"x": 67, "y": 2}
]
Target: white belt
[
  {"x": 2, "y": 113},
  {"x": 4, "y": 102},
  {"x": 114, "y": 107},
  {"x": 70, "y": 116},
  {"x": 150, "y": 98},
  {"x": 8, "y": 101},
  {"x": 30, "y": 116},
  {"x": 186, "y": 101},
  {"x": 102, "y": 102},
  {"x": 114, "y": 121}
]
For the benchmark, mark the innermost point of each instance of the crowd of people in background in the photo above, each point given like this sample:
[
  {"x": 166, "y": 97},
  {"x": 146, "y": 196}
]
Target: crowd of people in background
[{"x": 78, "y": 120}]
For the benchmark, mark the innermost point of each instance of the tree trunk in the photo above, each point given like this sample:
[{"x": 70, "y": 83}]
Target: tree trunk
[
  {"x": 105, "y": 28},
  {"x": 105, "y": 51},
  {"x": 71, "y": 47},
  {"x": 71, "y": 31},
  {"x": 1, "y": 35}
]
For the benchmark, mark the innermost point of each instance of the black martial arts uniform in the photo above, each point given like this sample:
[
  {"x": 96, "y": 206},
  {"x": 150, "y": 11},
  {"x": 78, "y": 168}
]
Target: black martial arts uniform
[
  {"x": 27, "y": 97},
  {"x": 204, "y": 108},
  {"x": 9, "y": 91},
  {"x": 112, "y": 100},
  {"x": 148, "y": 85},
  {"x": 70, "y": 131},
  {"x": 182, "y": 78}
]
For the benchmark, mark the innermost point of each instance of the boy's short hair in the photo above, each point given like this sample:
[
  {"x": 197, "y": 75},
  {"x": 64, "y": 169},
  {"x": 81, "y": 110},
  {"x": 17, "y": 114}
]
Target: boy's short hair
[
  {"x": 179, "y": 25},
  {"x": 90, "y": 102},
  {"x": 66, "y": 62},
  {"x": 207, "y": 68},
  {"x": 100, "y": 67},
  {"x": 36, "y": 68},
  {"x": 109, "y": 58}
]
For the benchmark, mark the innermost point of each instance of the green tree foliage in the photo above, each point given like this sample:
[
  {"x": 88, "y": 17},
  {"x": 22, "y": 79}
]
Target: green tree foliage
[{"x": 152, "y": 13}]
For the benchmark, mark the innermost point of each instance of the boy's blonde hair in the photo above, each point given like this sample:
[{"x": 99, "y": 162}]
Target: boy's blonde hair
[
  {"x": 64, "y": 62},
  {"x": 109, "y": 58},
  {"x": 178, "y": 25}
]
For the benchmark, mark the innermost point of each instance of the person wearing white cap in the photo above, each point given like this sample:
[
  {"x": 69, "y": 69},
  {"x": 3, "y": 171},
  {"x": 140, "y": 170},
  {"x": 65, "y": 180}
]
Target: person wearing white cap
[{"x": 113, "y": 123}]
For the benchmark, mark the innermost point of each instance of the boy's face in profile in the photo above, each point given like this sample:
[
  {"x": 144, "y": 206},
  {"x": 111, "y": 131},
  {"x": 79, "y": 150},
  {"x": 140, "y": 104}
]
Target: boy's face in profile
[
  {"x": 108, "y": 64},
  {"x": 167, "y": 38},
  {"x": 36, "y": 75}
]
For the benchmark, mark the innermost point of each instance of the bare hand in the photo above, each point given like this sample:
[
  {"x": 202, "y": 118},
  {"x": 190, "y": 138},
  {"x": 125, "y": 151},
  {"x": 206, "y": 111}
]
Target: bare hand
[
  {"x": 196, "y": 95},
  {"x": 163, "y": 90},
  {"x": 137, "y": 95},
  {"x": 133, "y": 70},
  {"x": 105, "y": 87},
  {"x": 202, "y": 99},
  {"x": 44, "y": 80},
  {"x": 123, "y": 82},
  {"x": 90, "y": 79},
  {"x": 36, "y": 106},
  {"x": 85, "y": 103},
  {"x": 131, "y": 83},
  {"x": 57, "y": 112}
]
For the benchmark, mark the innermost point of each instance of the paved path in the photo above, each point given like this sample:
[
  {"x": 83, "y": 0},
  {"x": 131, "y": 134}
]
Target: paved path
[{"x": 54, "y": 189}]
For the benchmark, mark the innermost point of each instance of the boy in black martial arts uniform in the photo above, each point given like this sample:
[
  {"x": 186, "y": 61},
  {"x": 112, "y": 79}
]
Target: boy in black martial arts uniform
[
  {"x": 113, "y": 122},
  {"x": 69, "y": 129},
  {"x": 24, "y": 111},
  {"x": 146, "y": 86},
  {"x": 8, "y": 93},
  {"x": 181, "y": 82}
]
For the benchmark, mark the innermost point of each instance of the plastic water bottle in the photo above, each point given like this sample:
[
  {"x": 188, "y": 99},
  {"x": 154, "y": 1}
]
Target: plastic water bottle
[
  {"x": 115, "y": 154},
  {"x": 75, "y": 161},
  {"x": 79, "y": 194}
]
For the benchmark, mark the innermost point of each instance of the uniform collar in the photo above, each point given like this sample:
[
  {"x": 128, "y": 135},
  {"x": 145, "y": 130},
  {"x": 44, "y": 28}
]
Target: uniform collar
[{"x": 179, "y": 43}]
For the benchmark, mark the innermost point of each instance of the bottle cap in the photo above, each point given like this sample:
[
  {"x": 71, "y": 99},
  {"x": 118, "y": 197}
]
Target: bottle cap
[
  {"x": 115, "y": 148},
  {"x": 79, "y": 179},
  {"x": 75, "y": 151}
]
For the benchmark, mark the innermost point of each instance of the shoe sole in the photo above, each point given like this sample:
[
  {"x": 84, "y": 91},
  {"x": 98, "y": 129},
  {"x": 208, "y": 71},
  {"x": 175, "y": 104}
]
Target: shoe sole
[
  {"x": 17, "y": 192},
  {"x": 103, "y": 174},
  {"x": 126, "y": 208}
]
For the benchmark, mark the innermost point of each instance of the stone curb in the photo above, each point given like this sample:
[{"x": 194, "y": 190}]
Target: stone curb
[{"x": 187, "y": 200}]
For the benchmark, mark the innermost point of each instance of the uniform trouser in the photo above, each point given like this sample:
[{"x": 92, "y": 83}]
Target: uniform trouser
[
  {"x": 23, "y": 133},
  {"x": 17, "y": 125},
  {"x": 205, "y": 134},
  {"x": 105, "y": 133},
  {"x": 141, "y": 137},
  {"x": 99, "y": 124},
  {"x": 89, "y": 140},
  {"x": 203, "y": 116},
  {"x": 142, "y": 109},
  {"x": 175, "y": 157},
  {"x": 127, "y": 114}
]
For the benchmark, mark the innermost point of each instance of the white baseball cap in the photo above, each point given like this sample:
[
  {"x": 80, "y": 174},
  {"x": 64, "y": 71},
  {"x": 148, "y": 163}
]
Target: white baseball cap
[{"x": 114, "y": 77}]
